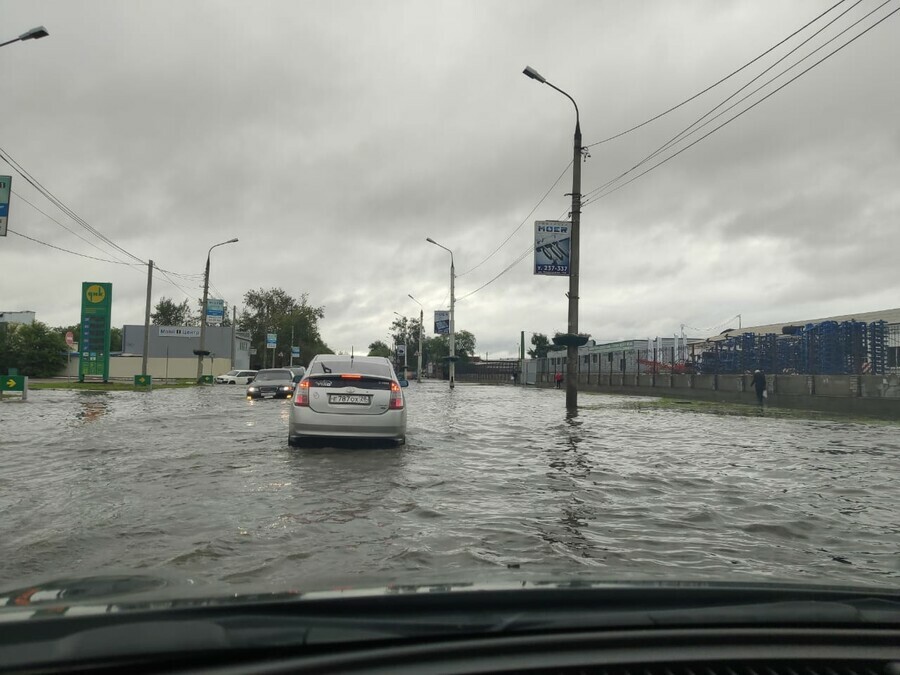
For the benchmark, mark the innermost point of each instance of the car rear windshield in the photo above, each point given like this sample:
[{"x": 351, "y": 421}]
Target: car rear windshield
[
  {"x": 355, "y": 367},
  {"x": 273, "y": 375}
]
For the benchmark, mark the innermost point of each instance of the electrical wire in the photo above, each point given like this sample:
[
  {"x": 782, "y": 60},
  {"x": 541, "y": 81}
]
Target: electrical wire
[
  {"x": 519, "y": 227},
  {"x": 67, "y": 229},
  {"x": 728, "y": 121},
  {"x": 712, "y": 86},
  {"x": 686, "y": 133},
  {"x": 505, "y": 270},
  {"x": 18, "y": 168},
  {"x": 65, "y": 250}
]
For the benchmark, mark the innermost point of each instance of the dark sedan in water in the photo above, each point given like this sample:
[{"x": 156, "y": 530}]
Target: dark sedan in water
[{"x": 275, "y": 382}]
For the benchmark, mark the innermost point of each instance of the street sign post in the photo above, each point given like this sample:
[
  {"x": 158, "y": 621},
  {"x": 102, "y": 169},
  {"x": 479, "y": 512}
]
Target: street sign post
[
  {"x": 14, "y": 383},
  {"x": 143, "y": 382},
  {"x": 215, "y": 311},
  {"x": 96, "y": 307}
]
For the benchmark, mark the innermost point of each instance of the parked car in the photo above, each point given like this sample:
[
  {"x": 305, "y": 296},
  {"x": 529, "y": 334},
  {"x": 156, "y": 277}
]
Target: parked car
[
  {"x": 275, "y": 382},
  {"x": 299, "y": 372},
  {"x": 236, "y": 377},
  {"x": 348, "y": 397}
]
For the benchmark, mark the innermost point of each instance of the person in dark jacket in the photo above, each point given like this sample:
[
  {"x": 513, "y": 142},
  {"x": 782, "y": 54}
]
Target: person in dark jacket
[{"x": 759, "y": 383}]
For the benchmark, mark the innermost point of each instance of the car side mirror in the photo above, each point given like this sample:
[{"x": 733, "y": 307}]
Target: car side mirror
[{"x": 404, "y": 383}]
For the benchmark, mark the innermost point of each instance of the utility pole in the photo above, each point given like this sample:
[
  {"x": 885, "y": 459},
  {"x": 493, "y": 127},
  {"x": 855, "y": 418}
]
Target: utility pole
[
  {"x": 202, "y": 351},
  {"x": 147, "y": 319},
  {"x": 574, "y": 255},
  {"x": 452, "y": 323}
]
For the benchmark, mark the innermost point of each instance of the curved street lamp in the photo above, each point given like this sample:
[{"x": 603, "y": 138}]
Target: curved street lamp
[
  {"x": 452, "y": 358},
  {"x": 572, "y": 339},
  {"x": 33, "y": 34},
  {"x": 202, "y": 351}
]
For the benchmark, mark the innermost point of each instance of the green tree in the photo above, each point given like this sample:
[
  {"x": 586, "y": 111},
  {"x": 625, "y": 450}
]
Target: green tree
[
  {"x": 35, "y": 349},
  {"x": 378, "y": 348},
  {"x": 437, "y": 347},
  {"x": 274, "y": 310},
  {"x": 541, "y": 345},
  {"x": 167, "y": 313}
]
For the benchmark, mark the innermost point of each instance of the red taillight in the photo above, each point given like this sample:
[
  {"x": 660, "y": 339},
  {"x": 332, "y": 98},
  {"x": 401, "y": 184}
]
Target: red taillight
[
  {"x": 347, "y": 376},
  {"x": 301, "y": 397},
  {"x": 396, "y": 397}
]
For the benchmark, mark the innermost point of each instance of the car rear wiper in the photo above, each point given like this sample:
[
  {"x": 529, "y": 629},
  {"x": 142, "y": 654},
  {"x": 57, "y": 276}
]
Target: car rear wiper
[{"x": 326, "y": 369}]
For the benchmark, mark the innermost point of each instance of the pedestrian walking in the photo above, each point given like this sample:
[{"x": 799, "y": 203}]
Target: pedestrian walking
[
  {"x": 559, "y": 379},
  {"x": 759, "y": 383}
]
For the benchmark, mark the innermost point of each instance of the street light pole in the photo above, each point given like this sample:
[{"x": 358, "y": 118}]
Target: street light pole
[
  {"x": 33, "y": 34},
  {"x": 200, "y": 352},
  {"x": 421, "y": 331},
  {"x": 574, "y": 253},
  {"x": 452, "y": 313},
  {"x": 405, "y": 344}
]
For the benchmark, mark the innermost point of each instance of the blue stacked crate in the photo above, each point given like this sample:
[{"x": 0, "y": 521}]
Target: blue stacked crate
[
  {"x": 767, "y": 352},
  {"x": 877, "y": 351},
  {"x": 788, "y": 348},
  {"x": 809, "y": 341},
  {"x": 854, "y": 340},
  {"x": 829, "y": 352}
]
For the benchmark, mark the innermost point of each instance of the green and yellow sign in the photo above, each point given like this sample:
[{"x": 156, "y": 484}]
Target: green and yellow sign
[{"x": 96, "y": 311}]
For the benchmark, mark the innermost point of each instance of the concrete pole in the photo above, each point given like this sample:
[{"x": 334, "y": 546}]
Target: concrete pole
[
  {"x": 574, "y": 264},
  {"x": 421, "y": 331},
  {"x": 203, "y": 307},
  {"x": 452, "y": 323},
  {"x": 147, "y": 319},
  {"x": 203, "y": 318}
]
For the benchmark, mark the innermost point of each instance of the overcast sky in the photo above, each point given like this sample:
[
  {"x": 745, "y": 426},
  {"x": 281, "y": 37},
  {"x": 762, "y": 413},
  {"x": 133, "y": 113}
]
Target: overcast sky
[{"x": 333, "y": 137}]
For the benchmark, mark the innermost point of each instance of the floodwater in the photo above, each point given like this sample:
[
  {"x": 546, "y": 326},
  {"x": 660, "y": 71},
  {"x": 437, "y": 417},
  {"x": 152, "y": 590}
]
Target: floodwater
[{"x": 494, "y": 484}]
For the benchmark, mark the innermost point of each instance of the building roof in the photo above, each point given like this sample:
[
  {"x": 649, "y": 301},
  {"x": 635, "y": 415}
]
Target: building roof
[{"x": 889, "y": 315}]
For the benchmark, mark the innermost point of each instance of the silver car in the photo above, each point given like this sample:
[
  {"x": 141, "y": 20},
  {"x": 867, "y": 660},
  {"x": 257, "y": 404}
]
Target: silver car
[
  {"x": 275, "y": 382},
  {"x": 348, "y": 397}
]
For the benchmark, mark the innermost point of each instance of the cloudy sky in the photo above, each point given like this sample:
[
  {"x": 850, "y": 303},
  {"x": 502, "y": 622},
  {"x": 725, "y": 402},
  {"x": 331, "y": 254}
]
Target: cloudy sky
[{"x": 333, "y": 137}]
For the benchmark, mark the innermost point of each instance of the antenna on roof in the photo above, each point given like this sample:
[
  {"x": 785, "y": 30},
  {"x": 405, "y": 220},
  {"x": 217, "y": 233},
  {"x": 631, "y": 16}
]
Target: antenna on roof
[{"x": 351, "y": 353}]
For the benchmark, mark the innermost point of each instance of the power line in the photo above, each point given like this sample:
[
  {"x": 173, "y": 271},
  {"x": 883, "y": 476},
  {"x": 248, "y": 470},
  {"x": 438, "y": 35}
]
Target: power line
[
  {"x": 18, "y": 168},
  {"x": 65, "y": 250},
  {"x": 683, "y": 133},
  {"x": 772, "y": 93},
  {"x": 519, "y": 227},
  {"x": 73, "y": 232},
  {"x": 712, "y": 86},
  {"x": 505, "y": 270}
]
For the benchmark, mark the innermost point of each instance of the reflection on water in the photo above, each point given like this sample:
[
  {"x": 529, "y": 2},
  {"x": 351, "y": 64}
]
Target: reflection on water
[
  {"x": 493, "y": 483},
  {"x": 92, "y": 405}
]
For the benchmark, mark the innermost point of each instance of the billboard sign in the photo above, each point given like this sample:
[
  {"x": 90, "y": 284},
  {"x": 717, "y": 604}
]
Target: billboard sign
[
  {"x": 5, "y": 187},
  {"x": 215, "y": 311},
  {"x": 179, "y": 331},
  {"x": 552, "y": 239},
  {"x": 441, "y": 322},
  {"x": 96, "y": 310}
]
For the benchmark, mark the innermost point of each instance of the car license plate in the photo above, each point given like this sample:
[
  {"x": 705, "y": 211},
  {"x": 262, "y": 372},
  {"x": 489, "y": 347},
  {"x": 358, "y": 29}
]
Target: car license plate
[{"x": 349, "y": 399}]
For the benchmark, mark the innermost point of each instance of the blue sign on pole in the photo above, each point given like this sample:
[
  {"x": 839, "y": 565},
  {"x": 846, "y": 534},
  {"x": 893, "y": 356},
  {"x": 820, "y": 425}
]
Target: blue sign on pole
[
  {"x": 295, "y": 352},
  {"x": 5, "y": 187},
  {"x": 551, "y": 247},
  {"x": 271, "y": 340}
]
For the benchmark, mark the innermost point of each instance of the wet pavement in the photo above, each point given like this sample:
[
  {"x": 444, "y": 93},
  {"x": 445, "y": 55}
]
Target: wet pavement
[{"x": 494, "y": 483}]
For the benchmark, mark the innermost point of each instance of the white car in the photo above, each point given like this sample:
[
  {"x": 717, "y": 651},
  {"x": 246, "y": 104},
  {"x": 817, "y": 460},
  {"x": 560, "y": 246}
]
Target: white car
[
  {"x": 348, "y": 397},
  {"x": 236, "y": 377}
]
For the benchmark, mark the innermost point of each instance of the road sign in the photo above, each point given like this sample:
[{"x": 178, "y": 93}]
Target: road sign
[
  {"x": 96, "y": 307},
  {"x": 295, "y": 352},
  {"x": 215, "y": 311},
  {"x": 14, "y": 383},
  {"x": 271, "y": 339},
  {"x": 441, "y": 322},
  {"x": 143, "y": 381},
  {"x": 70, "y": 338},
  {"x": 5, "y": 187}
]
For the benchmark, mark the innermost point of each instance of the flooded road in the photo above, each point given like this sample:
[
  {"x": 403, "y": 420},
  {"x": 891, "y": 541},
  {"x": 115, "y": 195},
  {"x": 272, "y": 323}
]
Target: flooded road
[{"x": 495, "y": 483}]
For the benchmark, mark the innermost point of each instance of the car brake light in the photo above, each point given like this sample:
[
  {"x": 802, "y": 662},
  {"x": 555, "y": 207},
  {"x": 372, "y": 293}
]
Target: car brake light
[
  {"x": 396, "y": 397},
  {"x": 351, "y": 377},
  {"x": 302, "y": 397}
]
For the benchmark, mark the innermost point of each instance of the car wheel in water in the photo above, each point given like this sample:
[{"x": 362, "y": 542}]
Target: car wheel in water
[{"x": 233, "y": 382}]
